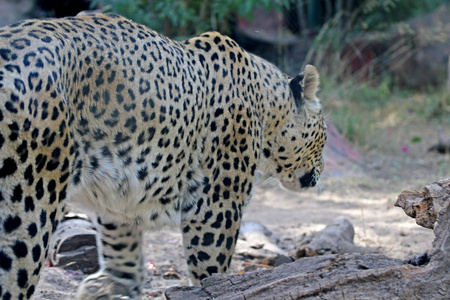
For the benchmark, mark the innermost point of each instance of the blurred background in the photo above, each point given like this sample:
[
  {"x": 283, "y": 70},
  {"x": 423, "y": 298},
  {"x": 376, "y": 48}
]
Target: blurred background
[{"x": 378, "y": 55}]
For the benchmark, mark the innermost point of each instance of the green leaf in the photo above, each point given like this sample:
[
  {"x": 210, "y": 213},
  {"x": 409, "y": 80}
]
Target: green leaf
[{"x": 416, "y": 139}]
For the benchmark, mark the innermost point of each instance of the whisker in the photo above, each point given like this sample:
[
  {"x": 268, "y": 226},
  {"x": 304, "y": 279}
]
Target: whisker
[
  {"x": 319, "y": 185},
  {"x": 265, "y": 180},
  {"x": 327, "y": 114}
]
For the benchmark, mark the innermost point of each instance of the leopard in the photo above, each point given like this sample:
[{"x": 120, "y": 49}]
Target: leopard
[{"x": 141, "y": 131}]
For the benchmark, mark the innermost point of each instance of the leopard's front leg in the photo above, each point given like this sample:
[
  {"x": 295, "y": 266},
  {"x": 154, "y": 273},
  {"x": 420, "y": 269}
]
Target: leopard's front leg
[
  {"x": 120, "y": 254},
  {"x": 211, "y": 232}
]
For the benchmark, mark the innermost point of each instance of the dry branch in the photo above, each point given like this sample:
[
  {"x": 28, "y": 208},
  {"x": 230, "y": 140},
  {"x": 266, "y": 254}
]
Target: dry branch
[{"x": 350, "y": 276}]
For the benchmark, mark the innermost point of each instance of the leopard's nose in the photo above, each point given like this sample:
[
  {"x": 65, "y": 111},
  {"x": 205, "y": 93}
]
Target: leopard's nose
[{"x": 309, "y": 179}]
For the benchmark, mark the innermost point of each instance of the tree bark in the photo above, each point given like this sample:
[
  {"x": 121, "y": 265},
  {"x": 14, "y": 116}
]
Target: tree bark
[{"x": 349, "y": 276}]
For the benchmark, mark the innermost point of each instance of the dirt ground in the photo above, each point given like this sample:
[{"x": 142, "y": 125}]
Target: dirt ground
[{"x": 364, "y": 193}]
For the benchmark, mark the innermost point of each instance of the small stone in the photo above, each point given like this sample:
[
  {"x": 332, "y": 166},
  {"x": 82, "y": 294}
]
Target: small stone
[
  {"x": 170, "y": 275},
  {"x": 281, "y": 259}
]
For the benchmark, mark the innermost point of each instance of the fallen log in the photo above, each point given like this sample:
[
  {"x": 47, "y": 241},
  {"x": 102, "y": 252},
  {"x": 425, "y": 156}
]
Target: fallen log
[
  {"x": 73, "y": 246},
  {"x": 347, "y": 276}
]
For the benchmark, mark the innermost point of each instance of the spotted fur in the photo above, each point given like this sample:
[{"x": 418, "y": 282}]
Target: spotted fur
[{"x": 144, "y": 132}]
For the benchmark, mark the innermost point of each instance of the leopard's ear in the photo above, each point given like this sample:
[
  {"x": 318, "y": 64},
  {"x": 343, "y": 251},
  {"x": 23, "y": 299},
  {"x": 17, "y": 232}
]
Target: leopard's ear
[
  {"x": 296, "y": 88},
  {"x": 310, "y": 86},
  {"x": 310, "y": 82}
]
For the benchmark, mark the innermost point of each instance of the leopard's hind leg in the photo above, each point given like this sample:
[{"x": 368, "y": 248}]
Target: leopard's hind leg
[{"x": 121, "y": 264}]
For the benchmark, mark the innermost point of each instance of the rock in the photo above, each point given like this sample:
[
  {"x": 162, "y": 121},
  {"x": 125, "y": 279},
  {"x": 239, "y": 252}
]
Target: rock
[
  {"x": 443, "y": 144},
  {"x": 171, "y": 275},
  {"x": 336, "y": 238}
]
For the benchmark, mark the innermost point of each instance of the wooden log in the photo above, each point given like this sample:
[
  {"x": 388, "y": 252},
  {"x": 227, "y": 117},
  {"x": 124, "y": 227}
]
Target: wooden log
[
  {"x": 348, "y": 276},
  {"x": 258, "y": 246},
  {"x": 425, "y": 205},
  {"x": 73, "y": 246},
  {"x": 336, "y": 238}
]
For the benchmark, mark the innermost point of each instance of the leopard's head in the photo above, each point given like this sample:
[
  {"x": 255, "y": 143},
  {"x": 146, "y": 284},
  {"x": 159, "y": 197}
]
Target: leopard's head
[{"x": 294, "y": 154}]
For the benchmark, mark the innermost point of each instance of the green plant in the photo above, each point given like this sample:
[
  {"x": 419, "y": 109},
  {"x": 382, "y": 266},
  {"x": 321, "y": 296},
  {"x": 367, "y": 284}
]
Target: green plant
[
  {"x": 438, "y": 106},
  {"x": 380, "y": 14},
  {"x": 374, "y": 96},
  {"x": 338, "y": 34},
  {"x": 364, "y": 113},
  {"x": 182, "y": 18},
  {"x": 349, "y": 109}
]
